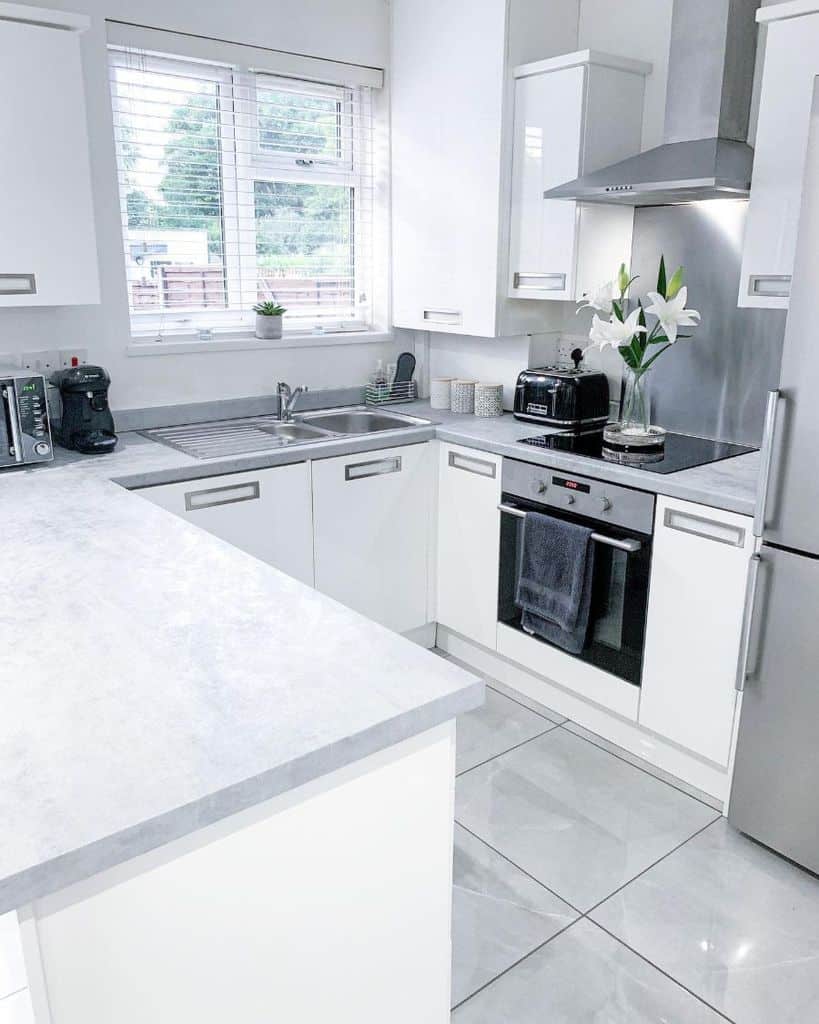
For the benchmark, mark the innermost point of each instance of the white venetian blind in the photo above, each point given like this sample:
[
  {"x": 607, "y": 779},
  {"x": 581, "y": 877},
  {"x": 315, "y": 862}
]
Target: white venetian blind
[{"x": 239, "y": 187}]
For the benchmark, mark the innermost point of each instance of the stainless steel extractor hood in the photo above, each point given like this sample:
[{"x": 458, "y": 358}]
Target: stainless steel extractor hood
[{"x": 704, "y": 153}]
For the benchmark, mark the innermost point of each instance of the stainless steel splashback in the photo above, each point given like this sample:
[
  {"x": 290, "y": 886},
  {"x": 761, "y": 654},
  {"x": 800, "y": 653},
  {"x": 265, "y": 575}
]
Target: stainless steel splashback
[{"x": 715, "y": 383}]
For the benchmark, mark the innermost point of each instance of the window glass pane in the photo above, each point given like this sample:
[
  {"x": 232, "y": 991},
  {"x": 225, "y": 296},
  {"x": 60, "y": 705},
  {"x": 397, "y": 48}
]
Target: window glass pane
[
  {"x": 313, "y": 124},
  {"x": 169, "y": 141},
  {"x": 305, "y": 247}
]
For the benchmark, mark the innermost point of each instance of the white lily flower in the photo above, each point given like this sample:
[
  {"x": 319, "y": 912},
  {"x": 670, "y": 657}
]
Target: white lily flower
[
  {"x": 601, "y": 300},
  {"x": 672, "y": 312},
  {"x": 614, "y": 332}
]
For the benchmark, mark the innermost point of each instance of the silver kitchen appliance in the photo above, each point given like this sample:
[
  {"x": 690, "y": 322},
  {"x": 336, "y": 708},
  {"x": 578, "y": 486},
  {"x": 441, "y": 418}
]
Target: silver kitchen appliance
[
  {"x": 25, "y": 431},
  {"x": 776, "y": 775},
  {"x": 622, "y": 519}
]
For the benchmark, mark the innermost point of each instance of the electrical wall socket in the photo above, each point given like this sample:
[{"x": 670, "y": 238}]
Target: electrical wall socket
[
  {"x": 45, "y": 361},
  {"x": 68, "y": 355}
]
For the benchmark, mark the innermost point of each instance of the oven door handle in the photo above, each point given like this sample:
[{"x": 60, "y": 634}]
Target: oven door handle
[{"x": 628, "y": 545}]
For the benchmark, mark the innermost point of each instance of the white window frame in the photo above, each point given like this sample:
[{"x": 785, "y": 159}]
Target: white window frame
[{"x": 181, "y": 330}]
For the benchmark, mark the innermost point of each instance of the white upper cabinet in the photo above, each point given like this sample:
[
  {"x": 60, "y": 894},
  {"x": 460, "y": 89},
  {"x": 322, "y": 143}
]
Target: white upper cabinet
[
  {"x": 789, "y": 75},
  {"x": 452, "y": 96},
  {"x": 48, "y": 249},
  {"x": 573, "y": 115}
]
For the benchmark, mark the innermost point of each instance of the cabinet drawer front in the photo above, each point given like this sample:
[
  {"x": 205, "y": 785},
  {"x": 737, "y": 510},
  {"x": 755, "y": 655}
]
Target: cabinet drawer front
[
  {"x": 473, "y": 464},
  {"x": 230, "y": 495}
]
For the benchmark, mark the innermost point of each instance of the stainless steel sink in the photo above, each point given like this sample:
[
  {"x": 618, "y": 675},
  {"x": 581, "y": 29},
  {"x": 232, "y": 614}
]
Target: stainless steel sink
[
  {"x": 359, "y": 421},
  {"x": 267, "y": 433},
  {"x": 290, "y": 433},
  {"x": 236, "y": 437}
]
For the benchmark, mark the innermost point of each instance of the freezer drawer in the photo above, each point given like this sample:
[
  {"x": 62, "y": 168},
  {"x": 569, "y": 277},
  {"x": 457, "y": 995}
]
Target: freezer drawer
[{"x": 776, "y": 775}]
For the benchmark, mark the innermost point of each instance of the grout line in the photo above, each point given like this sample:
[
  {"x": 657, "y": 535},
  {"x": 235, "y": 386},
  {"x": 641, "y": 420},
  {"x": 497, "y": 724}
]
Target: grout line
[
  {"x": 640, "y": 874},
  {"x": 523, "y": 871},
  {"x": 511, "y": 967},
  {"x": 517, "y": 746},
  {"x": 639, "y": 767},
  {"x": 665, "y": 974}
]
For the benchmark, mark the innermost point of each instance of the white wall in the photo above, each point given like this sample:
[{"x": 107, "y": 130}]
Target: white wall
[{"x": 355, "y": 31}]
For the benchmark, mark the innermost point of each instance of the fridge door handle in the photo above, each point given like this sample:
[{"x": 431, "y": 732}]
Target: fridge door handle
[
  {"x": 766, "y": 462},
  {"x": 747, "y": 622}
]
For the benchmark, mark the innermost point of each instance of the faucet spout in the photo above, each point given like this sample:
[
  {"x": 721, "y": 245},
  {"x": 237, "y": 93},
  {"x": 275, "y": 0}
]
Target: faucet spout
[{"x": 287, "y": 400}]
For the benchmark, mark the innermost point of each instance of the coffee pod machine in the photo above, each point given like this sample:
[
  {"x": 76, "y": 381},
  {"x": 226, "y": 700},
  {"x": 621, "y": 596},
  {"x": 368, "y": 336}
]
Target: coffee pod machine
[{"x": 87, "y": 424}]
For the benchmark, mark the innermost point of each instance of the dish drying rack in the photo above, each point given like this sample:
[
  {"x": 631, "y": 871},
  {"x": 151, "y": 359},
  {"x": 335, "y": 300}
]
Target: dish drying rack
[{"x": 391, "y": 393}]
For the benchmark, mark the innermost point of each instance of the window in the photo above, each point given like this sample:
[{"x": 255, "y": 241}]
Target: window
[{"x": 238, "y": 187}]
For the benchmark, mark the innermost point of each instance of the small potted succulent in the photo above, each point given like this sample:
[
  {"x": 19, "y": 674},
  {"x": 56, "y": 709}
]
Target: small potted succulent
[{"x": 269, "y": 319}]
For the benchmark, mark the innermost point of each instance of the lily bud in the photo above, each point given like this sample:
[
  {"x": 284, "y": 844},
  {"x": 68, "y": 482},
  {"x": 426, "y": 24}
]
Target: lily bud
[
  {"x": 675, "y": 283},
  {"x": 623, "y": 279}
]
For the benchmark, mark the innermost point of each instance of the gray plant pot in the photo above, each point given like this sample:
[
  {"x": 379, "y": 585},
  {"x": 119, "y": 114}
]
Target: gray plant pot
[{"x": 268, "y": 327}]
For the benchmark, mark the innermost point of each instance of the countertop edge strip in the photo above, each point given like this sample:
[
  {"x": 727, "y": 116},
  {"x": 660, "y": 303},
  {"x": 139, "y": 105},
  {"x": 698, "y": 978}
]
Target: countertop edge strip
[{"x": 67, "y": 869}]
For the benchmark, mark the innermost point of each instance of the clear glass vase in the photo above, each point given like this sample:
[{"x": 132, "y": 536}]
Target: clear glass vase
[{"x": 634, "y": 414}]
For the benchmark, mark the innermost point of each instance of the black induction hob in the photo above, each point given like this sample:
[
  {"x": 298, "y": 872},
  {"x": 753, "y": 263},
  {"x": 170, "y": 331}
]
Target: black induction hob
[{"x": 681, "y": 451}]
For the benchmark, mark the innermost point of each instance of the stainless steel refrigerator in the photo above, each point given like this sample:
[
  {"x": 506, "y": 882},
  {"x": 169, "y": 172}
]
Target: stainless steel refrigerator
[{"x": 775, "y": 793}]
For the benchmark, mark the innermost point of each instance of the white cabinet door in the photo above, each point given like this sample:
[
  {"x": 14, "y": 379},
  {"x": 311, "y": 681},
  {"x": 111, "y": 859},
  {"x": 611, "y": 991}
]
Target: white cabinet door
[
  {"x": 48, "y": 251},
  {"x": 447, "y": 103},
  {"x": 17, "y": 1009},
  {"x": 570, "y": 120},
  {"x": 267, "y": 513},
  {"x": 12, "y": 966},
  {"x": 698, "y": 575},
  {"x": 469, "y": 490},
  {"x": 373, "y": 513},
  {"x": 790, "y": 71},
  {"x": 548, "y": 137}
]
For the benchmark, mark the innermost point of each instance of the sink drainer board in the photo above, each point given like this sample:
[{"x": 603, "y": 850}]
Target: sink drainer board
[{"x": 226, "y": 437}]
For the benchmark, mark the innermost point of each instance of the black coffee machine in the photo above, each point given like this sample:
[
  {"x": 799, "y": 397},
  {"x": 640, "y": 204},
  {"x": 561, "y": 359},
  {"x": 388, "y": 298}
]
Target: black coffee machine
[{"x": 87, "y": 424}]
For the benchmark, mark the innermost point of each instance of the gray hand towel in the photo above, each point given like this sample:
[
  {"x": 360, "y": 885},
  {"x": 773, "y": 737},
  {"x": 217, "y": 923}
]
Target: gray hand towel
[{"x": 554, "y": 583}]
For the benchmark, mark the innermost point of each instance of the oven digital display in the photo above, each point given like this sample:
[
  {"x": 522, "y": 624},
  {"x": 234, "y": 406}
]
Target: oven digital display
[{"x": 571, "y": 485}]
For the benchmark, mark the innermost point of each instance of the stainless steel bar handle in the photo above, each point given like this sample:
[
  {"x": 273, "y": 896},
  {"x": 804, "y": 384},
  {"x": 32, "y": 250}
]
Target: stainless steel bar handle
[
  {"x": 522, "y": 279},
  {"x": 481, "y": 467},
  {"x": 377, "y": 467},
  {"x": 10, "y": 399},
  {"x": 599, "y": 538},
  {"x": 747, "y": 622},
  {"x": 230, "y": 495},
  {"x": 766, "y": 460}
]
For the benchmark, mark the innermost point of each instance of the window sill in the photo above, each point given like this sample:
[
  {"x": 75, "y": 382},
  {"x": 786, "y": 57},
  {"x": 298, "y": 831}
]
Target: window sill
[{"x": 181, "y": 344}]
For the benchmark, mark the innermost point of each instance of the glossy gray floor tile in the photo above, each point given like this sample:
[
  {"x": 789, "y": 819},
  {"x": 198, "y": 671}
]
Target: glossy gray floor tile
[
  {"x": 574, "y": 816},
  {"x": 499, "y": 915},
  {"x": 640, "y": 762},
  {"x": 497, "y": 726},
  {"x": 583, "y": 976},
  {"x": 731, "y": 921}
]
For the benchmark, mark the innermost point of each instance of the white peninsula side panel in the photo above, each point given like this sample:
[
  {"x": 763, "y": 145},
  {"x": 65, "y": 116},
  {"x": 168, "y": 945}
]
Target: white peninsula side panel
[{"x": 329, "y": 903}]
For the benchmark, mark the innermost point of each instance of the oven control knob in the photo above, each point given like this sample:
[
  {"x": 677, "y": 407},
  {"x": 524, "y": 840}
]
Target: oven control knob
[
  {"x": 605, "y": 504},
  {"x": 542, "y": 487},
  {"x": 569, "y": 499}
]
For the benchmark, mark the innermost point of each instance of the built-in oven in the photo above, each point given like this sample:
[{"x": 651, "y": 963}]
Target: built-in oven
[{"x": 622, "y": 521}]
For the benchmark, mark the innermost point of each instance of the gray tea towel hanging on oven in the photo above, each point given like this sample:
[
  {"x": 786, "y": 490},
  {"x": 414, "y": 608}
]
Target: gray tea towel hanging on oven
[{"x": 554, "y": 581}]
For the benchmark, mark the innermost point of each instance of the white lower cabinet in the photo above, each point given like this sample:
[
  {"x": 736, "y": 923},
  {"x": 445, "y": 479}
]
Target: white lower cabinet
[
  {"x": 469, "y": 490},
  {"x": 17, "y": 1008},
  {"x": 698, "y": 577},
  {"x": 267, "y": 513},
  {"x": 12, "y": 966},
  {"x": 373, "y": 516}
]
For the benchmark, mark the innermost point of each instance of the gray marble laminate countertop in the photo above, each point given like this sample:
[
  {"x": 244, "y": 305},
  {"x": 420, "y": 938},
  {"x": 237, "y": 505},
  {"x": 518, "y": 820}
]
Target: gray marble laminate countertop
[{"x": 156, "y": 679}]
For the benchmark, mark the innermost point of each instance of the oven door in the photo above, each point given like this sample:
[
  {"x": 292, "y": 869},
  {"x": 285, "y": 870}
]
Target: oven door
[{"x": 617, "y": 623}]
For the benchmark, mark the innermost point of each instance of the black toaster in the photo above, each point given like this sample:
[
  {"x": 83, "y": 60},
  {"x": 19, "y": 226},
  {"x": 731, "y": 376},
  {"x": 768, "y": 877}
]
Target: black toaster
[{"x": 561, "y": 397}]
